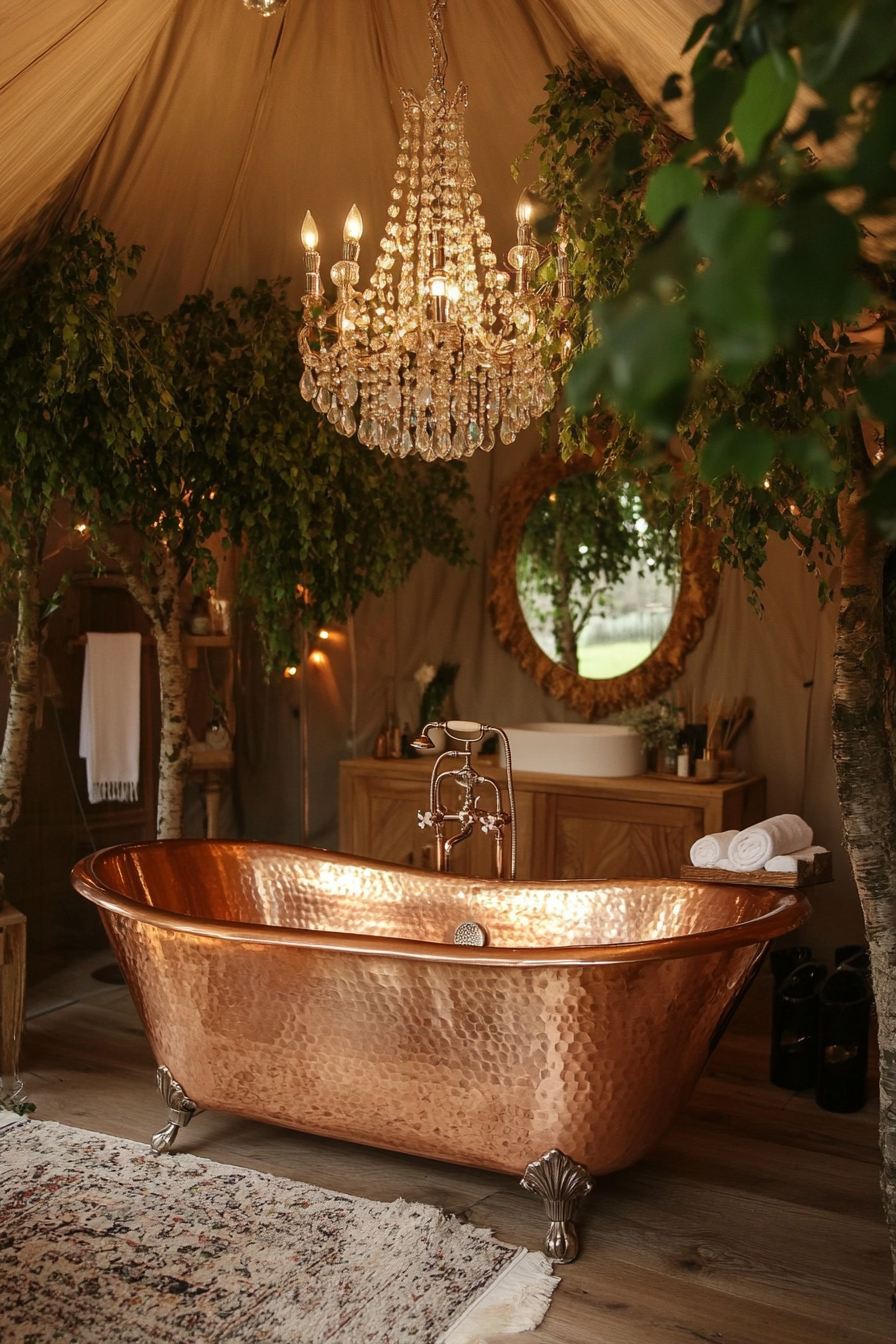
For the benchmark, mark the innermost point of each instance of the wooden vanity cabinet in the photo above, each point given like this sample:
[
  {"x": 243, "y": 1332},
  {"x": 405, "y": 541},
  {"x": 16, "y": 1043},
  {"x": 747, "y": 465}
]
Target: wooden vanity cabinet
[{"x": 569, "y": 826}]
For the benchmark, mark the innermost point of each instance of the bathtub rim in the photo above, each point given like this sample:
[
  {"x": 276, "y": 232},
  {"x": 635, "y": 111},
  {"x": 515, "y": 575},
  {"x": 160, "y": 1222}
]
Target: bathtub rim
[{"x": 792, "y": 910}]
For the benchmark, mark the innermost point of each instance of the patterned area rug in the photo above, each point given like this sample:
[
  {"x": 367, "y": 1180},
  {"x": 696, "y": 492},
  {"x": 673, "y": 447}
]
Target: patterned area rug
[{"x": 103, "y": 1242}]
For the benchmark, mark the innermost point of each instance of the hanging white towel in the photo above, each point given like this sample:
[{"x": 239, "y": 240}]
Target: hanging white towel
[
  {"x": 110, "y": 717},
  {"x": 752, "y": 848},
  {"x": 709, "y": 849},
  {"x": 787, "y": 863}
]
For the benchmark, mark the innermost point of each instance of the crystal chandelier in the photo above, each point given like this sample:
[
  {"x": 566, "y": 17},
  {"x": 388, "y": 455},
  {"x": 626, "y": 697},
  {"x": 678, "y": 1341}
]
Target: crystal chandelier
[{"x": 439, "y": 353}]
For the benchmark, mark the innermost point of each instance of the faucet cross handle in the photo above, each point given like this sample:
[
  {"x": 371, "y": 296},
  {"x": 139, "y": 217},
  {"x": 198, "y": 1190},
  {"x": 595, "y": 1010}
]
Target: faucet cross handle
[{"x": 430, "y": 818}]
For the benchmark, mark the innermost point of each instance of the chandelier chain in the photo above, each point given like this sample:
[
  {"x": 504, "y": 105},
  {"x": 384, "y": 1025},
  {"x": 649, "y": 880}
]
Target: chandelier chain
[{"x": 437, "y": 42}]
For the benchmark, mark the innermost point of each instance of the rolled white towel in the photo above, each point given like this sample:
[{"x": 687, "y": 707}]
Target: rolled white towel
[
  {"x": 706, "y": 852},
  {"x": 787, "y": 863},
  {"x": 753, "y": 847}
]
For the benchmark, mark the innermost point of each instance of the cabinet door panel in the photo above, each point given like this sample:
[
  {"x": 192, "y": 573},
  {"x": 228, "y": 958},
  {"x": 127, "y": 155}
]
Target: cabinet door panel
[
  {"x": 596, "y": 837},
  {"x": 394, "y": 836},
  {"x": 393, "y": 830}
]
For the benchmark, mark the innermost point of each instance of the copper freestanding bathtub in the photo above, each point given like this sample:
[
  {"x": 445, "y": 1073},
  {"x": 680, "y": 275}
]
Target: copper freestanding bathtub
[{"x": 326, "y": 993}]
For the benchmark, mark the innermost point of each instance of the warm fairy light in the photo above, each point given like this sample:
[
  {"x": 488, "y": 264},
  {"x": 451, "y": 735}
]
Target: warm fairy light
[
  {"x": 290, "y": 671},
  {"x": 552, "y": 498},
  {"x": 323, "y": 634},
  {"x": 354, "y": 226},
  {"x": 317, "y": 658},
  {"x": 82, "y": 528},
  {"x": 309, "y": 232}
]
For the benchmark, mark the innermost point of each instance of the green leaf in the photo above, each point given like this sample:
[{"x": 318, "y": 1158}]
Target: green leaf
[
  {"x": 878, "y": 390},
  {"x": 767, "y": 97},
  {"x": 813, "y": 275},
  {"x": 671, "y": 189},
  {"x": 730, "y": 296},
  {"x": 705, "y": 21},
  {"x": 880, "y": 502},
  {"x": 875, "y": 162},
  {"x": 715, "y": 93},
  {"x": 842, "y": 44},
  {"x": 626, "y": 157},
  {"x": 748, "y": 451},
  {"x": 807, "y": 452},
  {"x": 642, "y": 363}
]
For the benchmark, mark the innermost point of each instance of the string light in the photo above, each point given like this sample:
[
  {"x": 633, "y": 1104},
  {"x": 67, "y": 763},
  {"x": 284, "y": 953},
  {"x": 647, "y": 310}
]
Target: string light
[{"x": 290, "y": 671}]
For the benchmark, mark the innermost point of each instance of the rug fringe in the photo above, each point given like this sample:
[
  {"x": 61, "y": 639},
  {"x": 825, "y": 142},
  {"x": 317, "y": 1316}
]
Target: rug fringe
[{"x": 517, "y": 1300}]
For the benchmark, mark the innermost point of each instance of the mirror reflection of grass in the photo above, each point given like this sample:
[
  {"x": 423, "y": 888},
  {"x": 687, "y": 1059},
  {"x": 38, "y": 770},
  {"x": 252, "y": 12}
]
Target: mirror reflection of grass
[
  {"x": 592, "y": 571},
  {"x": 612, "y": 660}
]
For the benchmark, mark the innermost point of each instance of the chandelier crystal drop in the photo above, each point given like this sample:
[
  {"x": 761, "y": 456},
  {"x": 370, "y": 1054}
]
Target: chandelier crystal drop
[
  {"x": 440, "y": 353},
  {"x": 265, "y": 7}
]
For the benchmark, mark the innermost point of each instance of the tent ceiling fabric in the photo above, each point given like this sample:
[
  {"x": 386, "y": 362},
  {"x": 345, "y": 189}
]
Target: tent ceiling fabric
[{"x": 204, "y": 132}]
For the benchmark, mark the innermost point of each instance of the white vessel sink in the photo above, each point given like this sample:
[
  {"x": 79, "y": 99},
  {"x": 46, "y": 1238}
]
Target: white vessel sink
[{"x": 576, "y": 749}]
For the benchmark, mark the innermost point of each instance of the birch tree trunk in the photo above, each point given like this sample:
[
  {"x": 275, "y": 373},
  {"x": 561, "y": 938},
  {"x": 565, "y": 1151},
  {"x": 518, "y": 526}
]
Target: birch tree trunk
[
  {"x": 24, "y": 672},
  {"x": 864, "y": 739},
  {"x": 561, "y": 593},
  {"x": 174, "y": 751},
  {"x": 161, "y": 603}
]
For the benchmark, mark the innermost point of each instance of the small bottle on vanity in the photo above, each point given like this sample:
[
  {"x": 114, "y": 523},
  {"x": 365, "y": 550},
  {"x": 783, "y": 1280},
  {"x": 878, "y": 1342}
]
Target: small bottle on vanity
[{"x": 685, "y": 746}]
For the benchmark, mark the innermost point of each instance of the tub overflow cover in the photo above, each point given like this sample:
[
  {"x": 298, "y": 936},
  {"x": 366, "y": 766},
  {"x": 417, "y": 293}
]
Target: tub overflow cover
[{"x": 470, "y": 935}]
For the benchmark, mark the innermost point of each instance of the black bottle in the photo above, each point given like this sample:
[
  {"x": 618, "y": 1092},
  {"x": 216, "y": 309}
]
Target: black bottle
[
  {"x": 783, "y": 960},
  {"x": 795, "y": 1027},
  {"x": 844, "y": 1018},
  {"x": 857, "y": 958}
]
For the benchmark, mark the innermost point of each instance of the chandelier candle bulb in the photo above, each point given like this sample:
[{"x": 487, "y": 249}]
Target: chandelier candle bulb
[
  {"x": 440, "y": 354},
  {"x": 309, "y": 233}
]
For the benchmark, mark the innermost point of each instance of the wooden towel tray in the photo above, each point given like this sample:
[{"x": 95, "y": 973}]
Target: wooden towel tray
[{"x": 810, "y": 873}]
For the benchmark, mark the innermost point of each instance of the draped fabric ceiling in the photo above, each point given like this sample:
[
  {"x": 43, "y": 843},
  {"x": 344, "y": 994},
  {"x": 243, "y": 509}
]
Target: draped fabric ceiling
[{"x": 204, "y": 131}]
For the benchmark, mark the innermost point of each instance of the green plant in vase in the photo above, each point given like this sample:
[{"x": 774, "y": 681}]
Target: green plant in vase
[
  {"x": 435, "y": 685},
  {"x": 656, "y": 723}
]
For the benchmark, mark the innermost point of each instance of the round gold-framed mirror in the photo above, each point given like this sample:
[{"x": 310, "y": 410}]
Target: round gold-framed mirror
[{"x": 640, "y": 667}]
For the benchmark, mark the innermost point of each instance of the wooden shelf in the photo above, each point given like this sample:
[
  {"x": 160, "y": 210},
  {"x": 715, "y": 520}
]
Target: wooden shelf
[
  {"x": 211, "y": 758},
  {"x": 206, "y": 641}
]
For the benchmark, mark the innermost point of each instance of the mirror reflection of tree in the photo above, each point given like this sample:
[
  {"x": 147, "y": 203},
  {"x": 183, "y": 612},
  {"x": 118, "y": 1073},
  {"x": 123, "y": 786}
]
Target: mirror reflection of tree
[{"x": 583, "y": 551}]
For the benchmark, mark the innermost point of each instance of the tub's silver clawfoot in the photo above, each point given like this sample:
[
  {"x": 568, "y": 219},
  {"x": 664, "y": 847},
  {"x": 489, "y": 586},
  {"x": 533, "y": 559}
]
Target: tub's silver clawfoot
[
  {"x": 180, "y": 1111},
  {"x": 561, "y": 1184}
]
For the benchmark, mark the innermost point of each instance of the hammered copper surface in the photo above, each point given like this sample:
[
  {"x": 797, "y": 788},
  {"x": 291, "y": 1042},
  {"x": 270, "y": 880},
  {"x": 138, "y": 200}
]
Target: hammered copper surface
[{"x": 326, "y": 993}]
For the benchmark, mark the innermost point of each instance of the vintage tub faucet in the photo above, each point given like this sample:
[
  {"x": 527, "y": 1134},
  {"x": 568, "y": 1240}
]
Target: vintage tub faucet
[{"x": 469, "y": 813}]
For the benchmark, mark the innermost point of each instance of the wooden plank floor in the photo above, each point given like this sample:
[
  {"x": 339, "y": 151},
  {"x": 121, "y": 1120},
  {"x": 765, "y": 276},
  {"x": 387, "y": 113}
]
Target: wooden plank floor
[{"x": 756, "y": 1221}]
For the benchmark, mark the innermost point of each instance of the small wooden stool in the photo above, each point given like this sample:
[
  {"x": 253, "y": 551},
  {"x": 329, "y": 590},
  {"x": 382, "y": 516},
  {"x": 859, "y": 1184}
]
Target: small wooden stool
[{"x": 12, "y": 988}]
